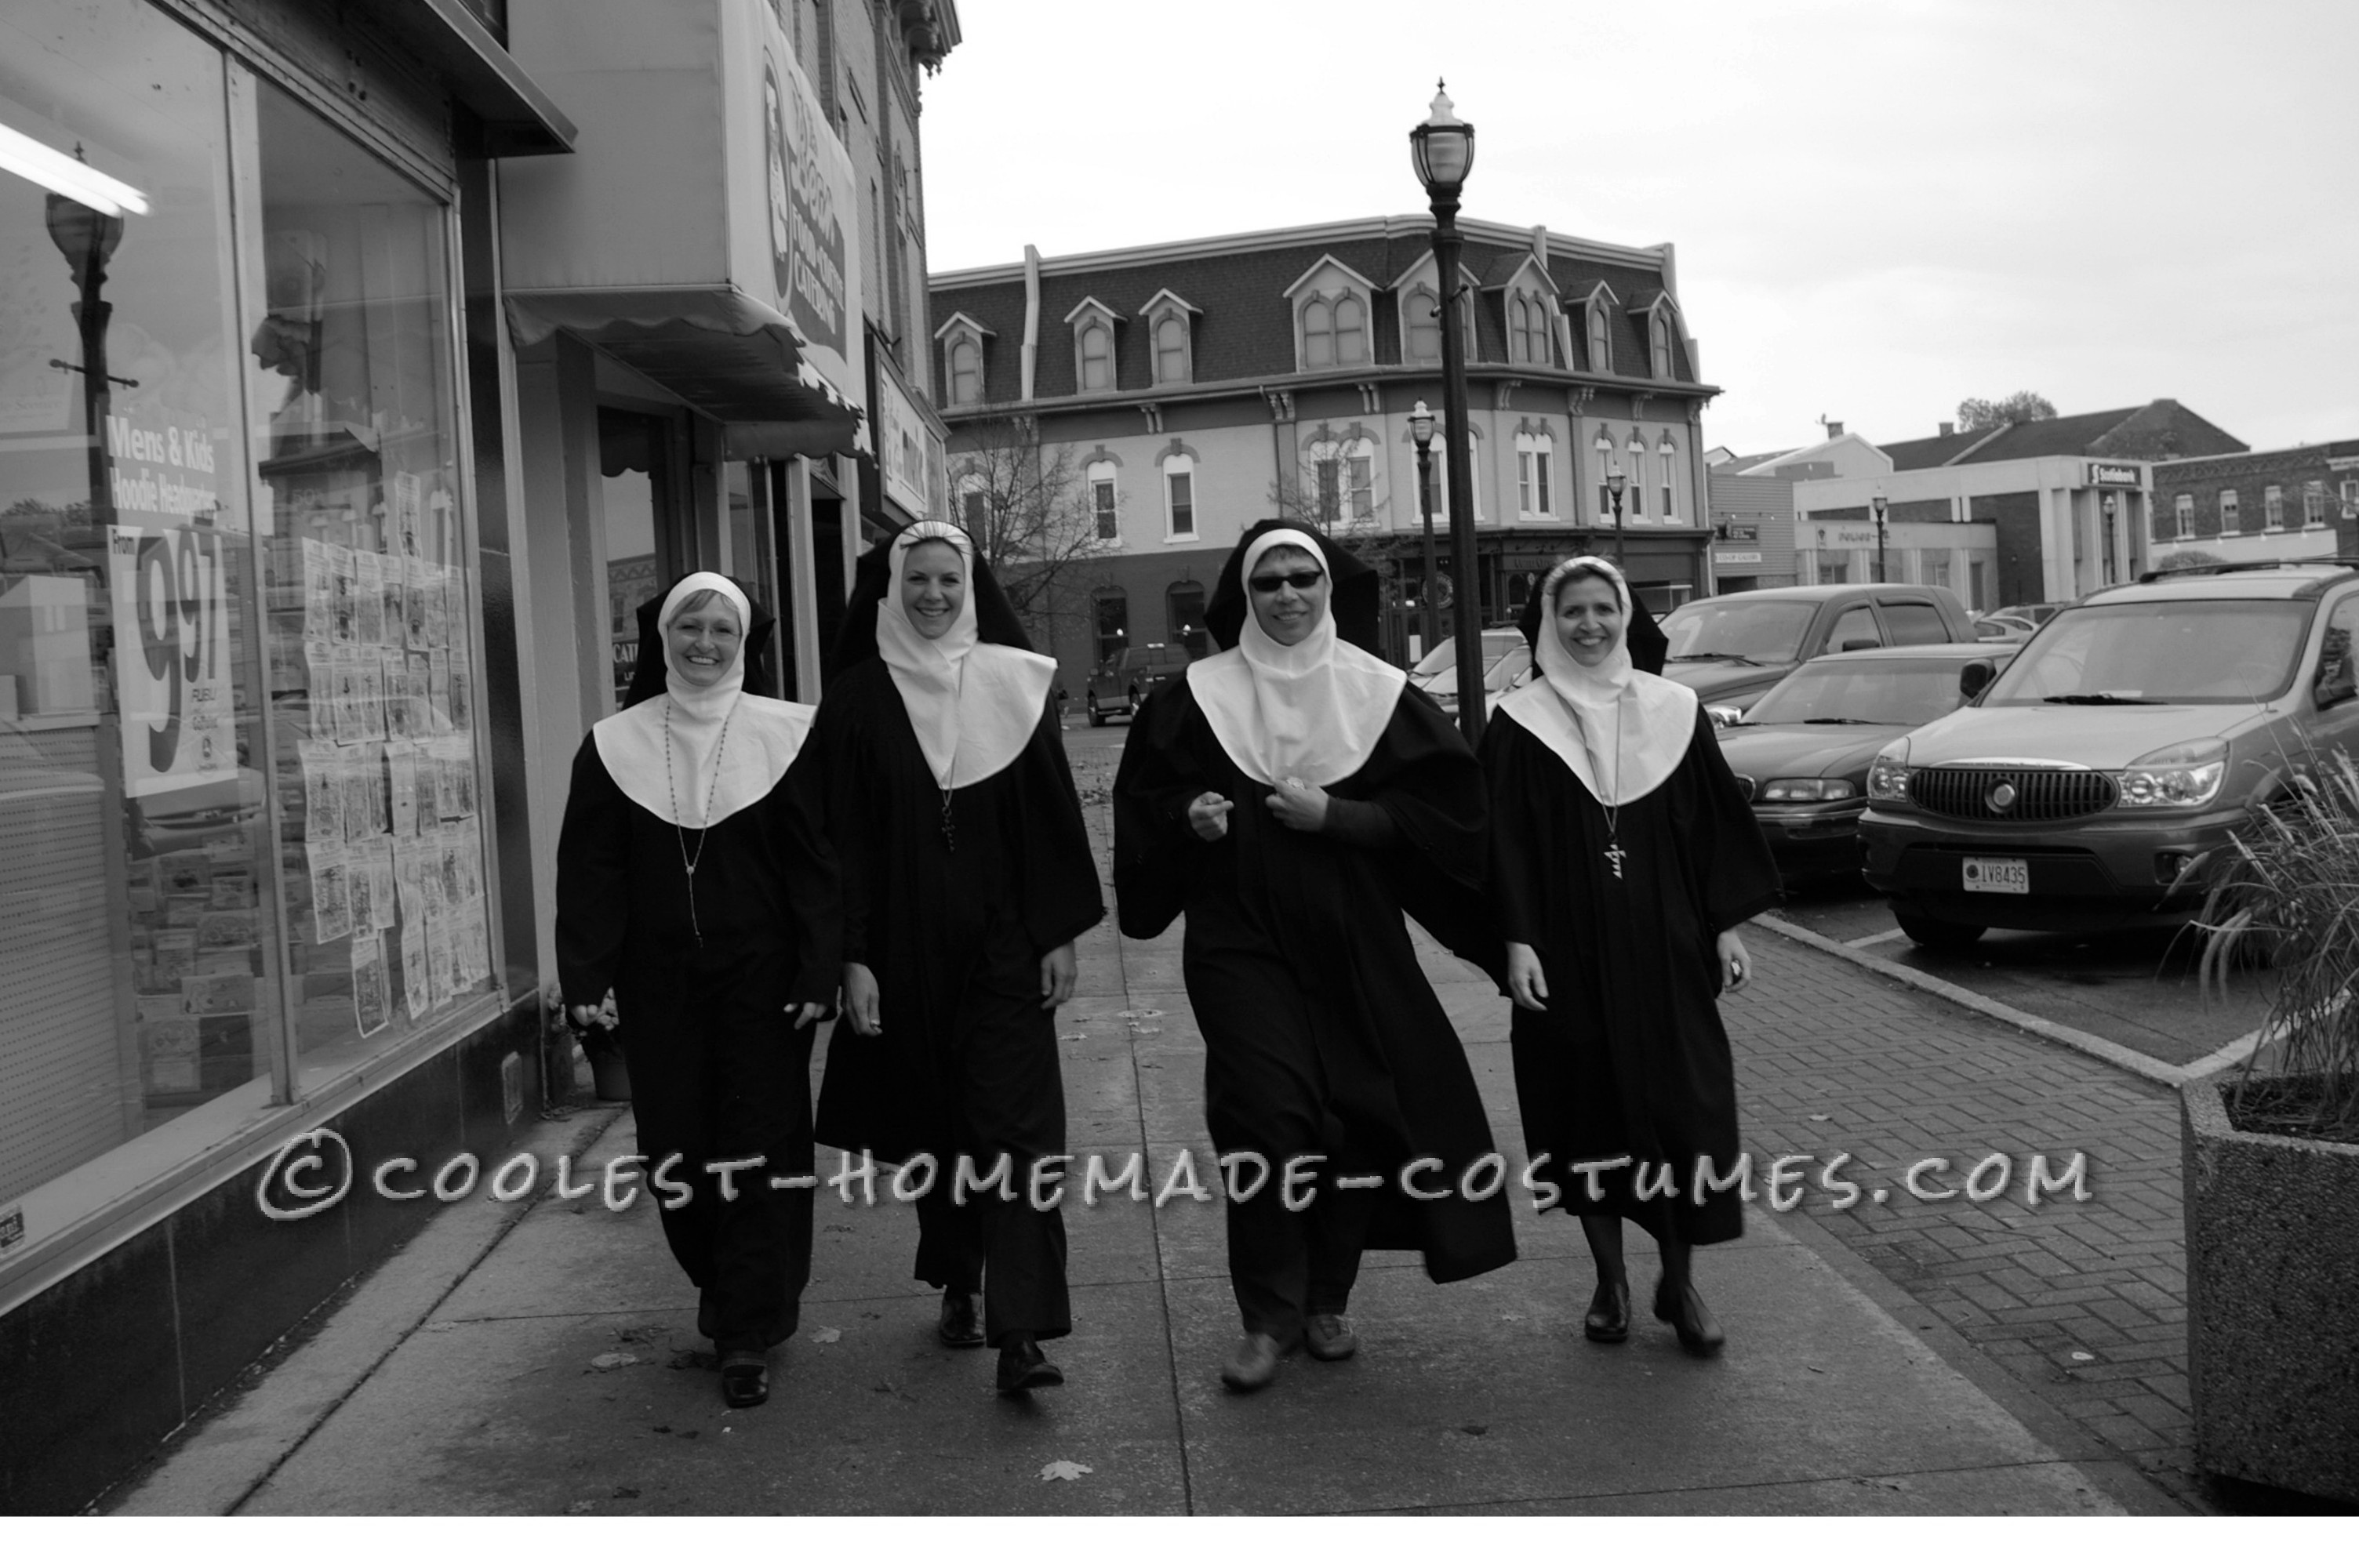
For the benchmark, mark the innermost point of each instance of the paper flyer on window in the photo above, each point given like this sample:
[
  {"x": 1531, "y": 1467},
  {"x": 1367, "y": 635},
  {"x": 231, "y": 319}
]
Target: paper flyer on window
[
  {"x": 332, "y": 908},
  {"x": 416, "y": 995},
  {"x": 372, "y": 984},
  {"x": 173, "y": 670}
]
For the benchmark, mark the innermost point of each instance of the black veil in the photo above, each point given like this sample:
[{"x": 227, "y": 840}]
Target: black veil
[
  {"x": 1645, "y": 638},
  {"x": 855, "y": 641},
  {"x": 648, "y": 674},
  {"x": 1355, "y": 597}
]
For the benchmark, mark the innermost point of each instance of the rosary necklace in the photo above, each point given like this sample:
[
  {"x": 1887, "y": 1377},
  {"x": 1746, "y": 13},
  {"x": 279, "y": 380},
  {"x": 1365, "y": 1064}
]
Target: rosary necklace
[
  {"x": 688, "y": 863},
  {"x": 1613, "y": 851}
]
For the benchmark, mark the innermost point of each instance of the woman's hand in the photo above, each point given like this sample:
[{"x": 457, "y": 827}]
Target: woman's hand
[
  {"x": 859, "y": 998},
  {"x": 806, "y": 1014},
  {"x": 1057, "y": 971},
  {"x": 1299, "y": 805},
  {"x": 1208, "y": 814},
  {"x": 1735, "y": 963},
  {"x": 1526, "y": 983},
  {"x": 581, "y": 1014}
]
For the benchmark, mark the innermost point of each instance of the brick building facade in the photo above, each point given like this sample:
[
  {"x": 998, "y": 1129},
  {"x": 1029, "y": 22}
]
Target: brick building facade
[{"x": 2294, "y": 502}]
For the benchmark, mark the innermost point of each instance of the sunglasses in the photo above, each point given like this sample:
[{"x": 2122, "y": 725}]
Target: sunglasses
[{"x": 1301, "y": 582}]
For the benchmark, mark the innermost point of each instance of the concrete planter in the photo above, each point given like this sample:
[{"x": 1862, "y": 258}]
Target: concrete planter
[{"x": 2273, "y": 1301}]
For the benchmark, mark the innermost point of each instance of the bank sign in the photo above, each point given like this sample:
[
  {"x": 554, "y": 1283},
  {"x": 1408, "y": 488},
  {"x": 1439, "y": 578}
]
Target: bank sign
[
  {"x": 2115, "y": 474},
  {"x": 811, "y": 218}
]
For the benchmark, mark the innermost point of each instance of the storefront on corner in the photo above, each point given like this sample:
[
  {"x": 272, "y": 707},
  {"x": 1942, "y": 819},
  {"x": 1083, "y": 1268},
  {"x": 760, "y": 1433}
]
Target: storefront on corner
[{"x": 248, "y": 845}]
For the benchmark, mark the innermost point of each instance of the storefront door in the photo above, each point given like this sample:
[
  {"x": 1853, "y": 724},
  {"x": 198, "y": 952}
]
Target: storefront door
[{"x": 645, "y": 541}]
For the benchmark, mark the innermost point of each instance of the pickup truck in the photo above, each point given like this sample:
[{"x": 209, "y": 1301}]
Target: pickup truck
[
  {"x": 1121, "y": 683},
  {"x": 1733, "y": 647}
]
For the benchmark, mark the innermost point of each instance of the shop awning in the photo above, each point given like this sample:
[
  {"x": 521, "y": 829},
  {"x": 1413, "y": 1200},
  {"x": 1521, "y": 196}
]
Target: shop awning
[
  {"x": 730, "y": 356},
  {"x": 704, "y": 231},
  {"x": 519, "y": 119}
]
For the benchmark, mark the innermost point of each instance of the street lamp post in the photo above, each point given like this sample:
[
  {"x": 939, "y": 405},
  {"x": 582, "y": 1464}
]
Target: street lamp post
[
  {"x": 86, "y": 237},
  {"x": 1420, "y": 428},
  {"x": 1442, "y": 151},
  {"x": 1614, "y": 481},
  {"x": 1877, "y": 509},
  {"x": 2111, "y": 504}
]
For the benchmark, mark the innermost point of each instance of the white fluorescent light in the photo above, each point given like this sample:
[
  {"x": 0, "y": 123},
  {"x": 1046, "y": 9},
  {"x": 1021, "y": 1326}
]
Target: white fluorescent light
[{"x": 45, "y": 166}]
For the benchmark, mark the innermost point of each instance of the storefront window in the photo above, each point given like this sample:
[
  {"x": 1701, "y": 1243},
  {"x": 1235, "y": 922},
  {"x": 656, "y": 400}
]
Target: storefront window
[
  {"x": 372, "y": 675},
  {"x": 135, "y": 919}
]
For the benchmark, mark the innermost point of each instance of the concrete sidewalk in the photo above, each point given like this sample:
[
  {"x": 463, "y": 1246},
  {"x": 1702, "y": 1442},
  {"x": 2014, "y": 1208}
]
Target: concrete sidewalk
[{"x": 478, "y": 1371}]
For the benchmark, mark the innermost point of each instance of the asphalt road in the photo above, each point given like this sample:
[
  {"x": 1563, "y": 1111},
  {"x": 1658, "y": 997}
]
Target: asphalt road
[{"x": 2140, "y": 988}]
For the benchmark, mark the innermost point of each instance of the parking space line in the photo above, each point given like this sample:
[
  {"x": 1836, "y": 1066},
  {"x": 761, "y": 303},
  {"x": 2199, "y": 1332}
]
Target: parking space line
[
  {"x": 1879, "y": 936},
  {"x": 2087, "y": 1044}
]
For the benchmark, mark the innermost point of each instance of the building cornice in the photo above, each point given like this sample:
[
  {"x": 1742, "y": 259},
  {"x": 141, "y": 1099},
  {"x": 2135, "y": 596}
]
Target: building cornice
[
  {"x": 1355, "y": 375},
  {"x": 1415, "y": 226}
]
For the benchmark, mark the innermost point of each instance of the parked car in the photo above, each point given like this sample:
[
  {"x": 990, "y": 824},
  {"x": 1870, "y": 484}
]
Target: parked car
[
  {"x": 1734, "y": 646},
  {"x": 2039, "y": 615},
  {"x": 1802, "y": 752},
  {"x": 2003, "y": 629},
  {"x": 1122, "y": 683},
  {"x": 2139, "y": 729},
  {"x": 1505, "y": 657}
]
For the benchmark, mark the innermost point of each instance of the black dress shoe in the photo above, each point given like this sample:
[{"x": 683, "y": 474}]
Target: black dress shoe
[
  {"x": 958, "y": 1327},
  {"x": 1608, "y": 1321},
  {"x": 1022, "y": 1367},
  {"x": 1700, "y": 1333},
  {"x": 745, "y": 1379}
]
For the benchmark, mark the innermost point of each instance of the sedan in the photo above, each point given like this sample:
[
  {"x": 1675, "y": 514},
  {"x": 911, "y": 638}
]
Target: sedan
[{"x": 1801, "y": 754}]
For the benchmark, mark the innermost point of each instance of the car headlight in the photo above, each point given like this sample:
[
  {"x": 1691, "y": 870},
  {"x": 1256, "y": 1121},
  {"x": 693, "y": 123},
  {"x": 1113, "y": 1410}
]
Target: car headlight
[
  {"x": 1887, "y": 776},
  {"x": 2187, "y": 774},
  {"x": 1722, "y": 715},
  {"x": 1808, "y": 789}
]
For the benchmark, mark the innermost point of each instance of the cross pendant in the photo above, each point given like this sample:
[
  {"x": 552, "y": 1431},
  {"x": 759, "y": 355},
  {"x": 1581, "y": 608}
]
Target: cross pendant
[{"x": 1613, "y": 853}]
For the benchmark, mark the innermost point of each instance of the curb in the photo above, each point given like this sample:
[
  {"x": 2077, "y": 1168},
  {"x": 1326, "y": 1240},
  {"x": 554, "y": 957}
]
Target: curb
[{"x": 2107, "y": 1051}]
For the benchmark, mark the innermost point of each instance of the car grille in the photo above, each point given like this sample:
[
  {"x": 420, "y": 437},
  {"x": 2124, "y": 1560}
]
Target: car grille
[
  {"x": 2038, "y": 795},
  {"x": 1745, "y": 785}
]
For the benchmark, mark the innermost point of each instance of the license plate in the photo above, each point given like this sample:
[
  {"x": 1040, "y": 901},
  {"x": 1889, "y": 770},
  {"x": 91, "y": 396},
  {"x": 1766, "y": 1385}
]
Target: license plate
[{"x": 1997, "y": 876}]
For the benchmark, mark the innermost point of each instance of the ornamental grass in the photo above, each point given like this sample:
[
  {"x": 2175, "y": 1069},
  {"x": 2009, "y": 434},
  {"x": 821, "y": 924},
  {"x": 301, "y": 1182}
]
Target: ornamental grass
[{"x": 2285, "y": 892}]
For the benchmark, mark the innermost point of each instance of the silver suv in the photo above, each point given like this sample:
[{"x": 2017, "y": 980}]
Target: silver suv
[{"x": 2133, "y": 733}]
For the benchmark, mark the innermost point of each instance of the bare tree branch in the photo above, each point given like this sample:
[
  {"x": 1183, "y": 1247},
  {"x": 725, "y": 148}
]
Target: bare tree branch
[{"x": 1031, "y": 518}]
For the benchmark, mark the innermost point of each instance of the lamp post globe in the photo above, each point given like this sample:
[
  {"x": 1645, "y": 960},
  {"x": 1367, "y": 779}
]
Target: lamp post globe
[
  {"x": 1877, "y": 506},
  {"x": 1616, "y": 480},
  {"x": 1442, "y": 151}
]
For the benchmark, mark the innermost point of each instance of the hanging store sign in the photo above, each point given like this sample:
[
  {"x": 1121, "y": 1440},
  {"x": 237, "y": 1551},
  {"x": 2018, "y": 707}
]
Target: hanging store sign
[
  {"x": 902, "y": 448},
  {"x": 1737, "y": 558},
  {"x": 2124, "y": 474},
  {"x": 172, "y": 669},
  {"x": 814, "y": 266}
]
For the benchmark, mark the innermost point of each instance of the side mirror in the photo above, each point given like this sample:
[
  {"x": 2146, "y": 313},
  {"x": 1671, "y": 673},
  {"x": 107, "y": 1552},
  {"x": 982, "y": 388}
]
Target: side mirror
[
  {"x": 1977, "y": 675},
  {"x": 2335, "y": 687}
]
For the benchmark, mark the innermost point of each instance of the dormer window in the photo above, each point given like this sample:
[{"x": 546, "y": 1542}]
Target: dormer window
[
  {"x": 1171, "y": 338},
  {"x": 1528, "y": 329},
  {"x": 1659, "y": 341},
  {"x": 1334, "y": 332},
  {"x": 1093, "y": 363},
  {"x": 1422, "y": 316},
  {"x": 1601, "y": 339},
  {"x": 1331, "y": 315},
  {"x": 962, "y": 338}
]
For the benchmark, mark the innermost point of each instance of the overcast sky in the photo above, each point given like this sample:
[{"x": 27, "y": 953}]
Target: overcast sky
[{"x": 1880, "y": 208}]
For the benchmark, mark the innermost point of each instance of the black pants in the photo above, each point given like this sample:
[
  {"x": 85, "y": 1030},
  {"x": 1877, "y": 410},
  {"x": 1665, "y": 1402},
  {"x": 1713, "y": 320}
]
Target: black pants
[
  {"x": 718, "y": 1073},
  {"x": 1008, "y": 1097},
  {"x": 1265, "y": 1092}
]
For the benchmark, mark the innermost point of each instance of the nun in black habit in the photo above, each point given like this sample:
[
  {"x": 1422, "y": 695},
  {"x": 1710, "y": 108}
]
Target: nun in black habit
[
  {"x": 967, "y": 877},
  {"x": 1293, "y": 798},
  {"x": 692, "y": 879},
  {"x": 1622, "y": 858}
]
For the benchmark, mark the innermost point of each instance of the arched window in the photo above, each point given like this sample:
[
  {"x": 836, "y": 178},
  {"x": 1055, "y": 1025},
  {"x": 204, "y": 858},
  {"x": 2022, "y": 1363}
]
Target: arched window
[
  {"x": 1111, "y": 624},
  {"x": 1334, "y": 332},
  {"x": 1097, "y": 357},
  {"x": 1103, "y": 503},
  {"x": 1179, "y": 497},
  {"x": 1360, "y": 481},
  {"x": 1666, "y": 453},
  {"x": 1171, "y": 349},
  {"x": 1527, "y": 331},
  {"x": 1634, "y": 463},
  {"x": 1350, "y": 330},
  {"x": 1183, "y": 609},
  {"x": 974, "y": 506},
  {"x": 1317, "y": 335},
  {"x": 1659, "y": 340},
  {"x": 1534, "y": 475},
  {"x": 1601, "y": 341},
  {"x": 966, "y": 370},
  {"x": 1424, "y": 319}
]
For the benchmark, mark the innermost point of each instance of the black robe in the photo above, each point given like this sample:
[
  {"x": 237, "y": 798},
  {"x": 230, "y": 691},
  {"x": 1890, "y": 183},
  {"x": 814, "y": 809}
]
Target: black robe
[
  {"x": 718, "y": 1071},
  {"x": 1265, "y": 900},
  {"x": 1630, "y": 1057},
  {"x": 928, "y": 918}
]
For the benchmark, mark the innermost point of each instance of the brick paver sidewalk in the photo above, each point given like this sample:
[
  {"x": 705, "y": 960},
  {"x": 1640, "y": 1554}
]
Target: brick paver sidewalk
[{"x": 2084, "y": 1301}]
